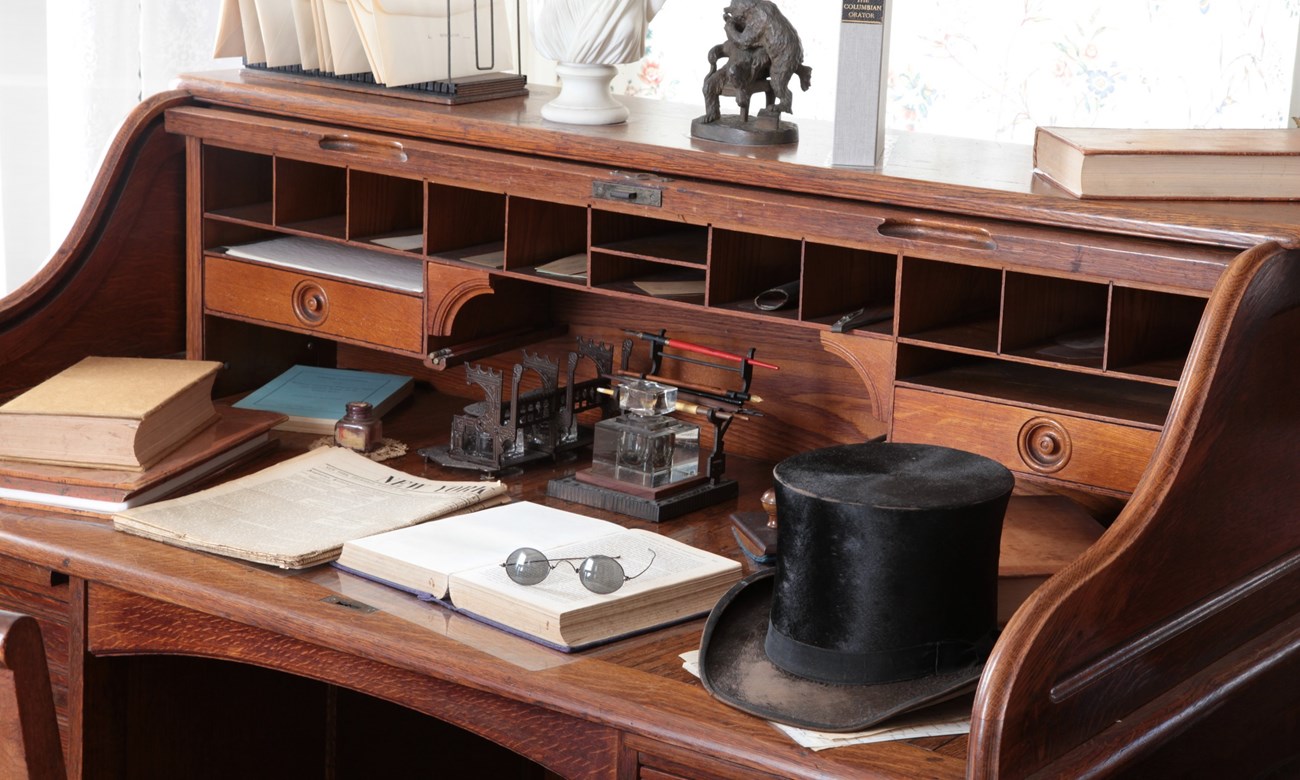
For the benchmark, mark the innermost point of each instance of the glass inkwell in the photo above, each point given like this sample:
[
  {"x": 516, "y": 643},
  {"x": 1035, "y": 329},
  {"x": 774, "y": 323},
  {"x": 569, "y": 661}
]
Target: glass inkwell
[
  {"x": 647, "y": 461},
  {"x": 645, "y": 447}
]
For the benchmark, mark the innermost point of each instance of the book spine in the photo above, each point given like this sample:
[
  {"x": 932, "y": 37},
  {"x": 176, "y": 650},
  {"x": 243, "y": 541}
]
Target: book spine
[{"x": 860, "y": 89}]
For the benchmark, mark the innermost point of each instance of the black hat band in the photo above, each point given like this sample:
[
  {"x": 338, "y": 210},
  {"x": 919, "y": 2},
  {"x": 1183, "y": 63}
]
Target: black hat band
[{"x": 846, "y": 667}]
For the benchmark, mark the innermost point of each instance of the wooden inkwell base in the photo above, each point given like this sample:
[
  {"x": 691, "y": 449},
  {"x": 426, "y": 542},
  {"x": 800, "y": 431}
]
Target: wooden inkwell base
[{"x": 654, "y": 504}]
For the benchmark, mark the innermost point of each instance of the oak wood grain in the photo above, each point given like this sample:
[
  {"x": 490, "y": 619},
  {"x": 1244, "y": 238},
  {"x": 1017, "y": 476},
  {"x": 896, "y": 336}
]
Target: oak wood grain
[
  {"x": 1204, "y": 561},
  {"x": 1179, "y": 621}
]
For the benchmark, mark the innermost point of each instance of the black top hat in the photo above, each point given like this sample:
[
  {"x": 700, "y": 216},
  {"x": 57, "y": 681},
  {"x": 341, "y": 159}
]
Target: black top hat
[{"x": 884, "y": 598}]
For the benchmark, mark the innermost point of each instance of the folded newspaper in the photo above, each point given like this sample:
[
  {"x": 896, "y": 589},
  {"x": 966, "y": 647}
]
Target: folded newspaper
[{"x": 298, "y": 513}]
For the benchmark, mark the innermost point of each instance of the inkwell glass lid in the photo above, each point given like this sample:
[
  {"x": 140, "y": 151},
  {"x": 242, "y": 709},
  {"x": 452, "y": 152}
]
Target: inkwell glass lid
[{"x": 645, "y": 397}]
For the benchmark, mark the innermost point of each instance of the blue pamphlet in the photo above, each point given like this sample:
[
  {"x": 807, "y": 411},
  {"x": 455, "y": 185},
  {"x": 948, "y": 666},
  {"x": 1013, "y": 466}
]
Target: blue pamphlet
[{"x": 315, "y": 398}]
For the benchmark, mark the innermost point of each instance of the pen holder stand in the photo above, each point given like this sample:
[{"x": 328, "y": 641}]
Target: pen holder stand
[{"x": 642, "y": 461}]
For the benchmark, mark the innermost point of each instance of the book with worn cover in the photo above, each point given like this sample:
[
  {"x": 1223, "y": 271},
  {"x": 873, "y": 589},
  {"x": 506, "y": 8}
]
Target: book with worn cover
[
  {"x": 1196, "y": 164},
  {"x": 315, "y": 398},
  {"x": 236, "y": 435},
  {"x": 110, "y": 412},
  {"x": 299, "y": 512},
  {"x": 457, "y": 561}
]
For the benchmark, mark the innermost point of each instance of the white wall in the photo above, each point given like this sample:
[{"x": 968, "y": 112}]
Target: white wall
[{"x": 24, "y": 144}]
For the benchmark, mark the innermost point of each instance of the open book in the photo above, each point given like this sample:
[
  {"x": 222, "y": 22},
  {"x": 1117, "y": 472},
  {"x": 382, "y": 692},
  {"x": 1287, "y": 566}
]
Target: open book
[{"x": 457, "y": 562}]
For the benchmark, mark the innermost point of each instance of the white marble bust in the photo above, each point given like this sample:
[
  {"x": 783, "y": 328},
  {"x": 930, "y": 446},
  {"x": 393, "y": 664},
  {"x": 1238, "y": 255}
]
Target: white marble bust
[
  {"x": 587, "y": 38},
  {"x": 592, "y": 32}
]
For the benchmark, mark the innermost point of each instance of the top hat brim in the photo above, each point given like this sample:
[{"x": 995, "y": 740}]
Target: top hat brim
[{"x": 735, "y": 668}]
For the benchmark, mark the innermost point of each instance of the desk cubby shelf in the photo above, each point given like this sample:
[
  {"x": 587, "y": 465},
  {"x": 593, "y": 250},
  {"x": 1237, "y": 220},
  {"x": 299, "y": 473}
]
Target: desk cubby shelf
[
  {"x": 275, "y": 194},
  {"x": 1055, "y": 321}
]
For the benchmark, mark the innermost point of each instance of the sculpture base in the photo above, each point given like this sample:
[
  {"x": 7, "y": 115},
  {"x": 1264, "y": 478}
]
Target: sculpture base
[
  {"x": 584, "y": 97},
  {"x": 757, "y": 131}
]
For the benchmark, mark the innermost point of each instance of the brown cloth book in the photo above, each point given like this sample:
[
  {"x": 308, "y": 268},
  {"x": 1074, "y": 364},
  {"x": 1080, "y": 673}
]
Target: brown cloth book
[
  {"x": 1199, "y": 164},
  {"x": 237, "y": 435},
  {"x": 113, "y": 412}
]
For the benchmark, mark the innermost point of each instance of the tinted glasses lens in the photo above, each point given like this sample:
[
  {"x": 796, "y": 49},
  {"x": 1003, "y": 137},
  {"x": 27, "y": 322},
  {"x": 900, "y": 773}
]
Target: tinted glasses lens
[
  {"x": 601, "y": 574},
  {"x": 527, "y": 566}
]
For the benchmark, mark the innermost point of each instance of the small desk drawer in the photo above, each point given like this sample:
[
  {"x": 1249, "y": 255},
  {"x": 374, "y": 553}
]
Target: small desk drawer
[
  {"x": 1060, "y": 446},
  {"x": 313, "y": 304}
]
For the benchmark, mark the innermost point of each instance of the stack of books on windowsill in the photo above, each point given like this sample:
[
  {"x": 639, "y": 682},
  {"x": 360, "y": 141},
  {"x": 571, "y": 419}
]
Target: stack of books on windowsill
[{"x": 109, "y": 433}]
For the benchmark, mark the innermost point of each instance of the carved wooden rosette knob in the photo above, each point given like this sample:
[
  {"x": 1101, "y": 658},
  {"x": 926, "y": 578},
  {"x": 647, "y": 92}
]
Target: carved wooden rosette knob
[
  {"x": 1044, "y": 445},
  {"x": 310, "y": 305}
]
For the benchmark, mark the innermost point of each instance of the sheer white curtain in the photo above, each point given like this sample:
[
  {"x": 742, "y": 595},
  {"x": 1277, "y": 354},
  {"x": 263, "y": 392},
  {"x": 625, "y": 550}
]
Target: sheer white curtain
[{"x": 70, "y": 71}]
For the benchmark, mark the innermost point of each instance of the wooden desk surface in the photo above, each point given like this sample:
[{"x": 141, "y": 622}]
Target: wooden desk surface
[{"x": 148, "y": 597}]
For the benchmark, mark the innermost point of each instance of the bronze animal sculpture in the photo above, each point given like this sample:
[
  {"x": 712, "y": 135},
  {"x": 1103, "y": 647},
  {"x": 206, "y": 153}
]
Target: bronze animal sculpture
[{"x": 762, "y": 53}]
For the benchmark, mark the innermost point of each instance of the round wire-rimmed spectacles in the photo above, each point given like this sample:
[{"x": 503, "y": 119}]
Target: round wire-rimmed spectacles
[{"x": 597, "y": 573}]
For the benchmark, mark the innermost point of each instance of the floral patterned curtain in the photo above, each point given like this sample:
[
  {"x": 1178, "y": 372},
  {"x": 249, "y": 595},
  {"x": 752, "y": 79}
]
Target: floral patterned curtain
[{"x": 997, "y": 69}]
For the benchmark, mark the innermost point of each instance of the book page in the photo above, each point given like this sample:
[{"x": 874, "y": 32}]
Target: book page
[
  {"x": 422, "y": 557},
  {"x": 658, "y": 561},
  {"x": 300, "y": 512}
]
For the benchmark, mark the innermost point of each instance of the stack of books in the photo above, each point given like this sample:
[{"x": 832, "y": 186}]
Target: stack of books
[{"x": 109, "y": 433}]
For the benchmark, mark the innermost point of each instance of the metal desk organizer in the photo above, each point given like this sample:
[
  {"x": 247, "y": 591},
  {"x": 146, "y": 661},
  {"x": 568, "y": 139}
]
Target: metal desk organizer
[
  {"x": 647, "y": 463},
  {"x": 494, "y": 435}
]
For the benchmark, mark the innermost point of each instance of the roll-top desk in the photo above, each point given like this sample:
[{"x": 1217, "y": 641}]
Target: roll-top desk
[{"x": 1130, "y": 355}]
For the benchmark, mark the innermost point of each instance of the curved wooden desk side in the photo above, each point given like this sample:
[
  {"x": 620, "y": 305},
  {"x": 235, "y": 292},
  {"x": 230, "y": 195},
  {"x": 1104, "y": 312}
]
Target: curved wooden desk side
[
  {"x": 1189, "y": 600},
  {"x": 117, "y": 284},
  {"x": 29, "y": 738}
]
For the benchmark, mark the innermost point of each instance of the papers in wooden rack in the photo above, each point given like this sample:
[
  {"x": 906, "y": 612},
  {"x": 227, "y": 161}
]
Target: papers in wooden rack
[{"x": 399, "y": 41}]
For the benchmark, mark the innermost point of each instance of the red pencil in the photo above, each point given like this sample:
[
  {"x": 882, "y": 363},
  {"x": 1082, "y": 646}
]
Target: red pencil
[{"x": 701, "y": 349}]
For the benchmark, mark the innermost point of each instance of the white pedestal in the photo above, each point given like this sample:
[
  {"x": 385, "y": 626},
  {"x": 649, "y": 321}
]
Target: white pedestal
[{"x": 584, "y": 97}]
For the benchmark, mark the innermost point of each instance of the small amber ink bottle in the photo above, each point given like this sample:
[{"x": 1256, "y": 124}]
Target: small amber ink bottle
[{"x": 359, "y": 429}]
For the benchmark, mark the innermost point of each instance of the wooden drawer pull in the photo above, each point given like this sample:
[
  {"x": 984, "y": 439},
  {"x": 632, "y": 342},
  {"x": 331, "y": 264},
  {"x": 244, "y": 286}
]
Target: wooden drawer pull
[
  {"x": 938, "y": 233},
  {"x": 1044, "y": 445},
  {"x": 370, "y": 147},
  {"x": 310, "y": 304}
]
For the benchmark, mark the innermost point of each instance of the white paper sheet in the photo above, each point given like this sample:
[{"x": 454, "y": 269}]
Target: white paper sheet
[
  {"x": 279, "y": 35},
  {"x": 304, "y": 26},
  {"x": 941, "y": 720},
  {"x": 412, "y": 42},
  {"x": 345, "y": 262}
]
